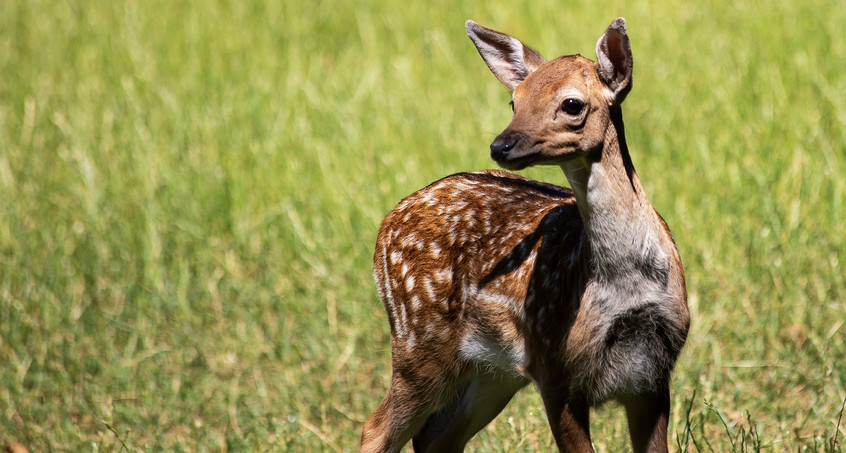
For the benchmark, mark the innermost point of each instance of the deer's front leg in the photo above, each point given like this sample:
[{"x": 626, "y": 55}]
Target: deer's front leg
[
  {"x": 648, "y": 417},
  {"x": 569, "y": 418}
]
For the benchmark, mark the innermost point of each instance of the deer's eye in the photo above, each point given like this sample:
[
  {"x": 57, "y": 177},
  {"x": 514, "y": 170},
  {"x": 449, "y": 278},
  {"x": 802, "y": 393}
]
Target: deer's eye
[
  {"x": 572, "y": 106},
  {"x": 511, "y": 104}
]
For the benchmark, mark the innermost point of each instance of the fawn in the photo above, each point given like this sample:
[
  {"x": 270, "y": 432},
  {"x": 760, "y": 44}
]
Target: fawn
[{"x": 491, "y": 281}]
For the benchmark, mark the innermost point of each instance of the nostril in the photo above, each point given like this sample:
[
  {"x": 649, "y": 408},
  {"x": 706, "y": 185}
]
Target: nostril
[{"x": 500, "y": 147}]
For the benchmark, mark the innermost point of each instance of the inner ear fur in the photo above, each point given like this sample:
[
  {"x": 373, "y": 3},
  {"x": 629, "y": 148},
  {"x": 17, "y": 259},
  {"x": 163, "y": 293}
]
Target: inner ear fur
[{"x": 614, "y": 59}]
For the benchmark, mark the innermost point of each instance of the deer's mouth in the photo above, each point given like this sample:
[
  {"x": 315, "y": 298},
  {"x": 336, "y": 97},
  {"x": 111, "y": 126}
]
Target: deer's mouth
[
  {"x": 515, "y": 159},
  {"x": 516, "y": 163},
  {"x": 510, "y": 151}
]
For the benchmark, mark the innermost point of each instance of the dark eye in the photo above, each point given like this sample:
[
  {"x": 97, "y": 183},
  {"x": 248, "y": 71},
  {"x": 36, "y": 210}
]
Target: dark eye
[
  {"x": 572, "y": 106},
  {"x": 511, "y": 104}
]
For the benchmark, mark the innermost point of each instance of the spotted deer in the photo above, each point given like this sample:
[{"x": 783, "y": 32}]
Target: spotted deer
[{"x": 491, "y": 281}]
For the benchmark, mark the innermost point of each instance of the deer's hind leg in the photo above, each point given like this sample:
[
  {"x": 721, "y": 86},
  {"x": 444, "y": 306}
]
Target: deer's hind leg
[
  {"x": 482, "y": 399},
  {"x": 423, "y": 380},
  {"x": 400, "y": 415}
]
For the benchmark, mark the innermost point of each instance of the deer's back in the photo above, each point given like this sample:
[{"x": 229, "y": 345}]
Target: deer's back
[{"x": 471, "y": 261}]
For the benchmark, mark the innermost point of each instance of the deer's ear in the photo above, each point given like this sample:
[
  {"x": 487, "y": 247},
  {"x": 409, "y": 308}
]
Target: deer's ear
[
  {"x": 507, "y": 57},
  {"x": 614, "y": 56}
]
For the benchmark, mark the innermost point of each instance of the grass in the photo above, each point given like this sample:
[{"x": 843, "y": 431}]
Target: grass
[{"x": 190, "y": 193}]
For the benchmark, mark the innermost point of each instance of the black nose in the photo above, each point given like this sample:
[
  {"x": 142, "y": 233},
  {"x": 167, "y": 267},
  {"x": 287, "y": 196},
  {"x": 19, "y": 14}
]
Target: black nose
[{"x": 501, "y": 146}]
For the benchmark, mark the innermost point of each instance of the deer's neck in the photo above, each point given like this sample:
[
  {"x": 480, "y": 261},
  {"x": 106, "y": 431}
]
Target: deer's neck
[{"x": 625, "y": 232}]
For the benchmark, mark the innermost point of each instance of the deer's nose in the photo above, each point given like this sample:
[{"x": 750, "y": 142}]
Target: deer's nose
[{"x": 501, "y": 146}]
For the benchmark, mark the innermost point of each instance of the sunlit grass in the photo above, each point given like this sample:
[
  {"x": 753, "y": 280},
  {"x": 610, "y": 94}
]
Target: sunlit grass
[{"x": 190, "y": 194}]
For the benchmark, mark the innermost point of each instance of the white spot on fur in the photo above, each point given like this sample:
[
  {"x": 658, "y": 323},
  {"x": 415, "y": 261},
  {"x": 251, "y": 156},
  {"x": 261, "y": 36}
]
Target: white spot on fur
[
  {"x": 409, "y": 241},
  {"x": 443, "y": 276},
  {"x": 435, "y": 250},
  {"x": 410, "y": 342},
  {"x": 402, "y": 322},
  {"x": 389, "y": 294},
  {"x": 430, "y": 289},
  {"x": 396, "y": 257}
]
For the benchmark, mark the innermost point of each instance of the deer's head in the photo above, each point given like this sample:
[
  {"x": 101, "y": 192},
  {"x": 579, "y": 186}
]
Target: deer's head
[{"x": 562, "y": 108}]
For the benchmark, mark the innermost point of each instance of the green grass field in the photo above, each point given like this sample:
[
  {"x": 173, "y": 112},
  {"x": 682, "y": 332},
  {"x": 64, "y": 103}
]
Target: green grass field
[{"x": 190, "y": 194}]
